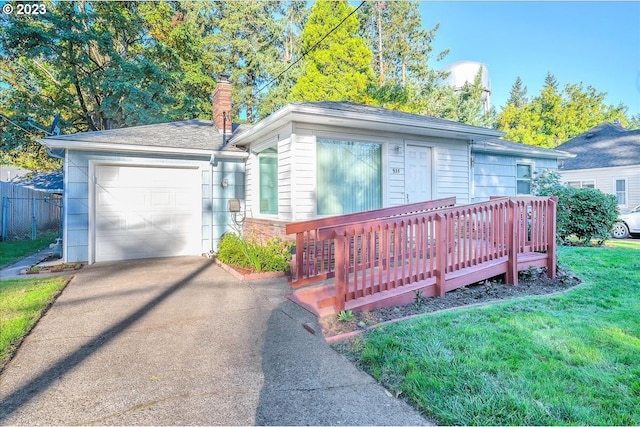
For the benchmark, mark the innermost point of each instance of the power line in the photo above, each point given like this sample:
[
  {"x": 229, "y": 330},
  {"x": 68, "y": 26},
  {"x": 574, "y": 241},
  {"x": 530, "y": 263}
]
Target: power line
[
  {"x": 16, "y": 125},
  {"x": 309, "y": 50}
]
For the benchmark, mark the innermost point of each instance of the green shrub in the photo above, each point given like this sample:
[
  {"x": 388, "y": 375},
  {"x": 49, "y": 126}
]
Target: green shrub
[
  {"x": 591, "y": 214},
  {"x": 275, "y": 255},
  {"x": 586, "y": 213}
]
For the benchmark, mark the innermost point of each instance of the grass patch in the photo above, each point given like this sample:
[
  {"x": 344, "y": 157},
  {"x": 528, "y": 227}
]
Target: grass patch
[
  {"x": 22, "y": 303},
  {"x": 12, "y": 251},
  {"x": 571, "y": 359}
]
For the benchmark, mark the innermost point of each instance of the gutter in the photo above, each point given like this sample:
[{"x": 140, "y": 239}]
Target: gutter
[
  {"x": 52, "y": 144},
  {"x": 488, "y": 147}
]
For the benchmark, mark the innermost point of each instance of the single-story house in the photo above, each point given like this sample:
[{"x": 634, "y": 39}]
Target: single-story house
[
  {"x": 168, "y": 189},
  {"x": 607, "y": 157}
]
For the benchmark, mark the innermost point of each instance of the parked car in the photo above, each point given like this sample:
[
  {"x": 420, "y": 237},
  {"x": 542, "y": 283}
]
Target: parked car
[{"x": 628, "y": 223}]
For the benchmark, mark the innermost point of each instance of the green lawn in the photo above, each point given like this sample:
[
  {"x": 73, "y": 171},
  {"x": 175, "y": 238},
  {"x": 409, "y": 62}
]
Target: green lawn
[
  {"x": 11, "y": 251},
  {"x": 22, "y": 302},
  {"x": 571, "y": 359}
]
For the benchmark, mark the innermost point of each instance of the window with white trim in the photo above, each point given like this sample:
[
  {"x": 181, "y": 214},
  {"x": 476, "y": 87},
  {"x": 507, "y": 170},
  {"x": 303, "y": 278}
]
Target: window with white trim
[
  {"x": 349, "y": 176},
  {"x": 268, "y": 178},
  {"x": 582, "y": 184},
  {"x": 523, "y": 178},
  {"x": 620, "y": 186}
]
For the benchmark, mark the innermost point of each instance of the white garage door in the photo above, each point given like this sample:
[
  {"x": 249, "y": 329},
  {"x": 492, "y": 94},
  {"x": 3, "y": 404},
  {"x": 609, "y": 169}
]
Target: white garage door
[{"x": 146, "y": 212}]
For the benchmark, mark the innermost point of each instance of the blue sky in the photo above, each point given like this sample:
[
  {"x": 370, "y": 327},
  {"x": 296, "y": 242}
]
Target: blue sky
[{"x": 596, "y": 43}]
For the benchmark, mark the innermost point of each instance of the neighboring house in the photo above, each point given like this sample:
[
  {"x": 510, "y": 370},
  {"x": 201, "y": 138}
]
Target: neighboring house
[
  {"x": 163, "y": 190},
  {"x": 607, "y": 157},
  {"x": 49, "y": 182}
]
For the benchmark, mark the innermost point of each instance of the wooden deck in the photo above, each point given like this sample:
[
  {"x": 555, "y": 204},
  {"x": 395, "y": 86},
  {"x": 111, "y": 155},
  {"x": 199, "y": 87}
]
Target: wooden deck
[{"x": 382, "y": 258}]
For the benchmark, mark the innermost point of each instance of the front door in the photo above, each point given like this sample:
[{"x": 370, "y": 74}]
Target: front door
[{"x": 418, "y": 174}]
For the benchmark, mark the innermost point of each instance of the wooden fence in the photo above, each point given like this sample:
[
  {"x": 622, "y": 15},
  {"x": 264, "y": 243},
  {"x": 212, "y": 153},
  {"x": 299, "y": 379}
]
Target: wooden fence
[
  {"x": 433, "y": 251},
  {"x": 26, "y": 212}
]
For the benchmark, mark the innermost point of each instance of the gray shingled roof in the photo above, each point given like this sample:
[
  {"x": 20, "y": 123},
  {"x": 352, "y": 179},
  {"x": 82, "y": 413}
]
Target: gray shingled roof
[
  {"x": 51, "y": 182},
  {"x": 385, "y": 112},
  {"x": 502, "y": 145},
  {"x": 606, "y": 145},
  {"x": 189, "y": 134}
]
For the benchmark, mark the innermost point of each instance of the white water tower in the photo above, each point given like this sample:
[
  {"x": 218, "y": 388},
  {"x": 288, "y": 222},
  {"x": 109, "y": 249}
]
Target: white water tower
[{"x": 462, "y": 72}]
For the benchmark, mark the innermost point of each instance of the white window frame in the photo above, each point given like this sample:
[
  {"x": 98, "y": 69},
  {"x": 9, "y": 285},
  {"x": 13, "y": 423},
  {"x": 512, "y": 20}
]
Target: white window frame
[
  {"x": 582, "y": 183},
  {"x": 532, "y": 170},
  {"x": 626, "y": 191},
  {"x": 256, "y": 150}
]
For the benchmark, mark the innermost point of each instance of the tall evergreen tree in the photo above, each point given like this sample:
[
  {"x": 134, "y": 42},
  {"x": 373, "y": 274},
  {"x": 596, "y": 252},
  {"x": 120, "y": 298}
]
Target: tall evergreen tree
[
  {"x": 278, "y": 93},
  {"x": 338, "y": 63},
  {"x": 518, "y": 94},
  {"x": 249, "y": 43}
]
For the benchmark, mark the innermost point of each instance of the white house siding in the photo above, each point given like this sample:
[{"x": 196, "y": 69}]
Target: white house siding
[
  {"x": 395, "y": 182},
  {"x": 280, "y": 138},
  {"x": 452, "y": 163},
  {"x": 495, "y": 174},
  {"x": 604, "y": 180},
  {"x": 297, "y": 168},
  {"x": 76, "y": 196}
]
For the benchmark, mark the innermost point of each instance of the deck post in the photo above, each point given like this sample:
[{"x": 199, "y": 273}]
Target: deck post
[
  {"x": 550, "y": 221},
  {"x": 298, "y": 267},
  {"x": 441, "y": 255},
  {"x": 341, "y": 272},
  {"x": 512, "y": 243}
]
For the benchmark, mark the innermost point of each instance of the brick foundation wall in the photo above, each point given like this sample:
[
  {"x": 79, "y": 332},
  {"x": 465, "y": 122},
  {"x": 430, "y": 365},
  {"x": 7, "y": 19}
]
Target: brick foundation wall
[{"x": 262, "y": 230}]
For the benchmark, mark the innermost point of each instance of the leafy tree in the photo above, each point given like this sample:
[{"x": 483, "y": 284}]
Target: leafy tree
[
  {"x": 402, "y": 52},
  {"x": 288, "y": 71},
  {"x": 338, "y": 64},
  {"x": 249, "y": 42},
  {"x": 401, "y": 47},
  {"x": 554, "y": 116},
  {"x": 97, "y": 64}
]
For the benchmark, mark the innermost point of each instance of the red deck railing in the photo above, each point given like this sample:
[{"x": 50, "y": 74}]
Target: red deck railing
[
  {"x": 441, "y": 247},
  {"x": 314, "y": 258}
]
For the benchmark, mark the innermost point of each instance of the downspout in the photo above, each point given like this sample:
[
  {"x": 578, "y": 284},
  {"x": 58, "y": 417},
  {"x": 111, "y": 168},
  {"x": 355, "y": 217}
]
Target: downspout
[
  {"x": 472, "y": 174},
  {"x": 211, "y": 163}
]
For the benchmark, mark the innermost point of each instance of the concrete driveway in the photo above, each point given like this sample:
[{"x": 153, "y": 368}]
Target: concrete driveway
[{"x": 179, "y": 341}]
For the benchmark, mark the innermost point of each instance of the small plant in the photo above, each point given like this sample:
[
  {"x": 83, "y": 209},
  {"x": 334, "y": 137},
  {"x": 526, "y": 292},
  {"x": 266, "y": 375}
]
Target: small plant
[
  {"x": 345, "y": 316},
  {"x": 275, "y": 255},
  {"x": 34, "y": 270},
  {"x": 419, "y": 300},
  {"x": 530, "y": 273}
]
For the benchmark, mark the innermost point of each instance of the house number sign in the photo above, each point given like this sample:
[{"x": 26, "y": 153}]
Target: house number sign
[{"x": 395, "y": 171}]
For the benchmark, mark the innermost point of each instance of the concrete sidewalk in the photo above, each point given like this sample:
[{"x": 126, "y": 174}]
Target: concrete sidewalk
[
  {"x": 179, "y": 341},
  {"x": 13, "y": 271}
]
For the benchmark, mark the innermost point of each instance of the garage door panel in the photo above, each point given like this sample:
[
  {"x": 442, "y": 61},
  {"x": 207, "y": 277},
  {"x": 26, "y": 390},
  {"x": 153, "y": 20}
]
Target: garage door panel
[{"x": 145, "y": 212}]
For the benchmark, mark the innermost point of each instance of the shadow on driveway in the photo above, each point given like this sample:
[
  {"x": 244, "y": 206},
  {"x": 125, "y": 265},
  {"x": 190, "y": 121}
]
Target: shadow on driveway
[{"x": 44, "y": 380}]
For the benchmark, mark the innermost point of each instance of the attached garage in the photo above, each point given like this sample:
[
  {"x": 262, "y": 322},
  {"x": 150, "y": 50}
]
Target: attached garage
[
  {"x": 146, "y": 212},
  {"x": 147, "y": 191}
]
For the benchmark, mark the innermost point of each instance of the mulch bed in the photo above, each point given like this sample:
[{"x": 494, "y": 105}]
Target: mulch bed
[
  {"x": 532, "y": 282},
  {"x": 58, "y": 268}
]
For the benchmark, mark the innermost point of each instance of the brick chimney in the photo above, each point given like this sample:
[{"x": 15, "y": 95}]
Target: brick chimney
[{"x": 222, "y": 103}]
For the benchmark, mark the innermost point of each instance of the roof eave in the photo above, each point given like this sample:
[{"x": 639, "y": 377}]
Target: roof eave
[
  {"x": 53, "y": 143},
  {"x": 321, "y": 115},
  {"x": 497, "y": 149}
]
